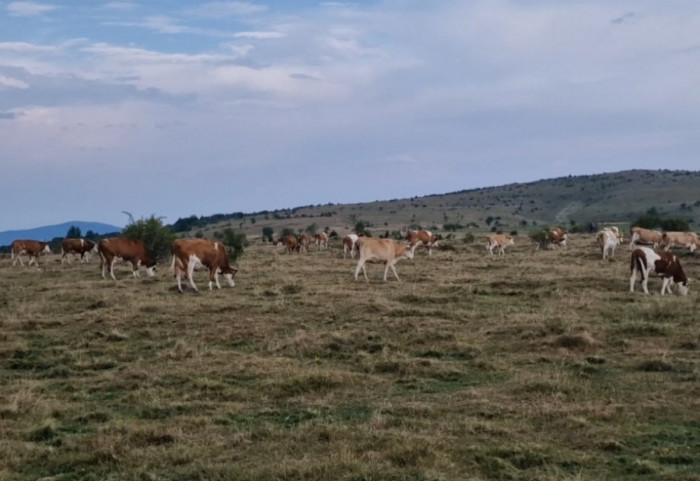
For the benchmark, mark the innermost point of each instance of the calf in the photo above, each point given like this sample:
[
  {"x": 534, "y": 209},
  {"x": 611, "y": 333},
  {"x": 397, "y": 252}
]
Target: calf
[
  {"x": 189, "y": 253},
  {"x": 421, "y": 238},
  {"x": 664, "y": 264},
  {"x": 123, "y": 248},
  {"x": 388, "y": 251},
  {"x": 642, "y": 236},
  {"x": 689, "y": 240},
  {"x": 350, "y": 245},
  {"x": 501, "y": 241},
  {"x": 31, "y": 248},
  {"x": 77, "y": 246},
  {"x": 607, "y": 241}
]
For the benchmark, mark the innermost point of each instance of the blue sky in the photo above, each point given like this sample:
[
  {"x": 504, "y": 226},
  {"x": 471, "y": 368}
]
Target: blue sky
[{"x": 178, "y": 108}]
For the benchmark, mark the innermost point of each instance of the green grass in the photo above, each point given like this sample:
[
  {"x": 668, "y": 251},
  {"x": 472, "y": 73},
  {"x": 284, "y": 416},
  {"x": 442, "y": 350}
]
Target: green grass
[{"x": 536, "y": 366}]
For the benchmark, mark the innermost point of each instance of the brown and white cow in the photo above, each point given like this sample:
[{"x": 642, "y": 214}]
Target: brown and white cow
[
  {"x": 421, "y": 238},
  {"x": 664, "y": 264},
  {"x": 388, "y": 251},
  {"x": 642, "y": 236},
  {"x": 501, "y": 241},
  {"x": 615, "y": 230},
  {"x": 122, "y": 248},
  {"x": 689, "y": 240},
  {"x": 290, "y": 243},
  {"x": 557, "y": 236},
  {"x": 28, "y": 247},
  {"x": 350, "y": 245},
  {"x": 190, "y": 253},
  {"x": 304, "y": 242},
  {"x": 77, "y": 246},
  {"x": 321, "y": 240},
  {"x": 608, "y": 241}
]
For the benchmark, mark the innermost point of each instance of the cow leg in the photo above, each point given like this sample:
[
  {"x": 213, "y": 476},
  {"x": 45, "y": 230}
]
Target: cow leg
[
  {"x": 393, "y": 269},
  {"x": 18, "y": 258},
  {"x": 111, "y": 268},
  {"x": 633, "y": 278},
  {"x": 190, "y": 273},
  {"x": 65, "y": 258},
  {"x": 361, "y": 265},
  {"x": 645, "y": 281},
  {"x": 666, "y": 285}
]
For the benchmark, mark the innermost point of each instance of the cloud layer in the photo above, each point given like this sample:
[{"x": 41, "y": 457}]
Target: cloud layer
[{"x": 168, "y": 109}]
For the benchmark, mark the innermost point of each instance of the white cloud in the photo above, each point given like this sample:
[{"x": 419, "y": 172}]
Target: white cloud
[
  {"x": 29, "y": 9},
  {"x": 227, "y": 9},
  {"x": 12, "y": 83},
  {"x": 259, "y": 35}
]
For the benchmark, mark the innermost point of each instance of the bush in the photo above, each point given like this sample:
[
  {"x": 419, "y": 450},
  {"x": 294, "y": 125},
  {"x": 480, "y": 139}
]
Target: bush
[
  {"x": 267, "y": 233},
  {"x": 236, "y": 242},
  {"x": 157, "y": 237}
]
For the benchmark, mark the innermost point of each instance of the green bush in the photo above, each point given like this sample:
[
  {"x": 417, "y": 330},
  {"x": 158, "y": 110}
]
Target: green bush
[
  {"x": 236, "y": 242},
  {"x": 151, "y": 231}
]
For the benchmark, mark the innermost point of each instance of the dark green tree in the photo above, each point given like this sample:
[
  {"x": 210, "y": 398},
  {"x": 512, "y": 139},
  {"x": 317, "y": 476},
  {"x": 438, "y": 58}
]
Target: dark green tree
[
  {"x": 267, "y": 233},
  {"x": 151, "y": 231},
  {"x": 74, "y": 232}
]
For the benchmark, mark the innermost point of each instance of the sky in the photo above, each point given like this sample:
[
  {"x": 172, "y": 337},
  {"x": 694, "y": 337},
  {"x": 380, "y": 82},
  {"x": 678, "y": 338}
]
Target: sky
[{"x": 173, "y": 108}]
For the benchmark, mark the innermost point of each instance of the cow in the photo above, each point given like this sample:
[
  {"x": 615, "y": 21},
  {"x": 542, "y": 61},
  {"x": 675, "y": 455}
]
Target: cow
[
  {"x": 642, "y": 236},
  {"x": 557, "y": 236},
  {"x": 664, "y": 264},
  {"x": 608, "y": 241},
  {"x": 28, "y": 247},
  {"x": 350, "y": 245},
  {"x": 123, "y": 248},
  {"x": 688, "y": 240},
  {"x": 615, "y": 230},
  {"x": 77, "y": 246},
  {"x": 388, "y": 251},
  {"x": 290, "y": 243},
  {"x": 501, "y": 241},
  {"x": 304, "y": 242},
  {"x": 190, "y": 253},
  {"x": 321, "y": 240},
  {"x": 421, "y": 238}
]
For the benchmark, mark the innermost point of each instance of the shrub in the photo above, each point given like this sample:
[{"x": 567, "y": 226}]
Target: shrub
[
  {"x": 157, "y": 237},
  {"x": 236, "y": 242}
]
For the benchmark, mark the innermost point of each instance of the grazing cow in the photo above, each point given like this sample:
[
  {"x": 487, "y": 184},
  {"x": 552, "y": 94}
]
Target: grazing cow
[
  {"x": 688, "y": 240},
  {"x": 189, "y": 253},
  {"x": 77, "y": 246},
  {"x": 421, "y": 238},
  {"x": 608, "y": 242},
  {"x": 304, "y": 242},
  {"x": 642, "y": 236},
  {"x": 31, "y": 248},
  {"x": 321, "y": 240},
  {"x": 388, "y": 251},
  {"x": 501, "y": 241},
  {"x": 123, "y": 248},
  {"x": 290, "y": 243},
  {"x": 615, "y": 230},
  {"x": 664, "y": 264},
  {"x": 557, "y": 236},
  {"x": 350, "y": 245}
]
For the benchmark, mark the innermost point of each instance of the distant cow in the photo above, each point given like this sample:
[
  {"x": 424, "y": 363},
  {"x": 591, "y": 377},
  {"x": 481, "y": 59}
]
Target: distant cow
[
  {"x": 421, "y": 238},
  {"x": 689, "y": 240},
  {"x": 557, "y": 236},
  {"x": 388, "y": 251},
  {"x": 189, "y": 253},
  {"x": 290, "y": 243},
  {"x": 642, "y": 236},
  {"x": 350, "y": 245},
  {"x": 501, "y": 241},
  {"x": 28, "y": 247},
  {"x": 615, "y": 230},
  {"x": 321, "y": 240},
  {"x": 304, "y": 242},
  {"x": 77, "y": 246},
  {"x": 607, "y": 241},
  {"x": 123, "y": 248},
  {"x": 664, "y": 264}
]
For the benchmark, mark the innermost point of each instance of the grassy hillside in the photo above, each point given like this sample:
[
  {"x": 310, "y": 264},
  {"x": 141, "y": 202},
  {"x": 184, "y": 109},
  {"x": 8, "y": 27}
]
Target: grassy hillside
[
  {"x": 617, "y": 197},
  {"x": 533, "y": 366}
]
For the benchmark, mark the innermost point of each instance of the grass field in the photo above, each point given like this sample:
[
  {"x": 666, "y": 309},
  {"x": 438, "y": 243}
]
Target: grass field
[{"x": 533, "y": 366}]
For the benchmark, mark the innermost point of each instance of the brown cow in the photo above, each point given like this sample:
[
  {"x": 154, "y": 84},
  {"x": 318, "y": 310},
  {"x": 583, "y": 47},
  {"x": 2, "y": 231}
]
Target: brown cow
[
  {"x": 289, "y": 242},
  {"x": 501, "y": 241},
  {"x": 189, "y": 253},
  {"x": 421, "y": 238},
  {"x": 31, "y": 248},
  {"x": 321, "y": 240},
  {"x": 350, "y": 245},
  {"x": 689, "y": 240},
  {"x": 77, "y": 246},
  {"x": 115, "y": 248},
  {"x": 664, "y": 264},
  {"x": 304, "y": 242},
  {"x": 640, "y": 235},
  {"x": 388, "y": 251}
]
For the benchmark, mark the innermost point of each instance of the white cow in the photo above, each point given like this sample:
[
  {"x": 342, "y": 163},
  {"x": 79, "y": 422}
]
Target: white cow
[{"x": 608, "y": 242}]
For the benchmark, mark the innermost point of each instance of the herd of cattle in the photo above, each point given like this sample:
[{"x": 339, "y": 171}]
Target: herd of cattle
[{"x": 650, "y": 253}]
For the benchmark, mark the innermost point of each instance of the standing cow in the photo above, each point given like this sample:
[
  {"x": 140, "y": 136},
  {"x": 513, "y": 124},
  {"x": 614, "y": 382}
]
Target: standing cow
[
  {"x": 608, "y": 241},
  {"x": 421, "y": 238},
  {"x": 28, "y": 247},
  {"x": 501, "y": 241},
  {"x": 388, "y": 251},
  {"x": 666, "y": 265},
  {"x": 77, "y": 246},
  {"x": 123, "y": 248},
  {"x": 189, "y": 253}
]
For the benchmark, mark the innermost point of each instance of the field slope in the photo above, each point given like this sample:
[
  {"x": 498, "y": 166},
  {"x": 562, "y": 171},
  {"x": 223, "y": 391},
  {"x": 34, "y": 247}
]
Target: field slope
[{"x": 533, "y": 366}]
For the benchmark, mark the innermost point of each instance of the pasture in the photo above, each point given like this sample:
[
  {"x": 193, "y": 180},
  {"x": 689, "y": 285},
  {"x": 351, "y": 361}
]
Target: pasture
[{"x": 529, "y": 366}]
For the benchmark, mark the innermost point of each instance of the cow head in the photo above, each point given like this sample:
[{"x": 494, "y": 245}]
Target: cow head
[
  {"x": 151, "y": 270},
  {"x": 229, "y": 273},
  {"x": 47, "y": 249},
  {"x": 683, "y": 287}
]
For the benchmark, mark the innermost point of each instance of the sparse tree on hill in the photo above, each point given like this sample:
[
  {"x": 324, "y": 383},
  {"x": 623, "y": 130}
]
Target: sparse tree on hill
[{"x": 73, "y": 232}]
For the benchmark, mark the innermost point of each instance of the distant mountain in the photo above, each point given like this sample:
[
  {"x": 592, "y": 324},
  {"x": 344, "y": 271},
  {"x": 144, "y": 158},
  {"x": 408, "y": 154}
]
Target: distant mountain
[{"x": 48, "y": 232}]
